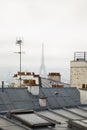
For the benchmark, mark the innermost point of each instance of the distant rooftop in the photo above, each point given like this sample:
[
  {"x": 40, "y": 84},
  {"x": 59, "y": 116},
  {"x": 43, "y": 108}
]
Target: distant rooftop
[
  {"x": 48, "y": 83},
  {"x": 21, "y": 98}
]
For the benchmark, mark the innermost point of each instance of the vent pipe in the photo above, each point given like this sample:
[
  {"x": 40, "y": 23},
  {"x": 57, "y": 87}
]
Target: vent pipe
[
  {"x": 2, "y": 86},
  {"x": 40, "y": 83}
]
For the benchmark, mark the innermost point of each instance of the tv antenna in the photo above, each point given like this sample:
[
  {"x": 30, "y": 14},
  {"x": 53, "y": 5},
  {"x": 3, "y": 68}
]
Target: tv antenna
[{"x": 19, "y": 42}]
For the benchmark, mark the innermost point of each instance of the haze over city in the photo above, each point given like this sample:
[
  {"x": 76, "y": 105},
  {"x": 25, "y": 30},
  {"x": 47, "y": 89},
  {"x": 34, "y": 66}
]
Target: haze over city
[{"x": 60, "y": 24}]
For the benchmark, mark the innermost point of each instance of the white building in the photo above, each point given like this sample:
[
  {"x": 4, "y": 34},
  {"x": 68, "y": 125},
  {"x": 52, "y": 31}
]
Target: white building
[{"x": 27, "y": 78}]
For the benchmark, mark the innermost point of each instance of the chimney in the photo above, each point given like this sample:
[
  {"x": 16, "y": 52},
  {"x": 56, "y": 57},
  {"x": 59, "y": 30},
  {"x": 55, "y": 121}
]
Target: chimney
[
  {"x": 40, "y": 83},
  {"x": 34, "y": 90},
  {"x": 42, "y": 101},
  {"x": 54, "y": 76}
]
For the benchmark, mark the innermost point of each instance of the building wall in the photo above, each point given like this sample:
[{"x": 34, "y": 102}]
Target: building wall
[
  {"x": 78, "y": 74},
  {"x": 16, "y": 79},
  {"x": 83, "y": 96}
]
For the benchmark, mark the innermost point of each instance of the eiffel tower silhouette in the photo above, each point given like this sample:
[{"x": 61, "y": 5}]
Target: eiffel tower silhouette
[{"x": 42, "y": 66}]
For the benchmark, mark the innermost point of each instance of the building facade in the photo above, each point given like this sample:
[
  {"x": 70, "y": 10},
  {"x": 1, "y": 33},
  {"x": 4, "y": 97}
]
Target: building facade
[
  {"x": 27, "y": 79},
  {"x": 78, "y": 70}
]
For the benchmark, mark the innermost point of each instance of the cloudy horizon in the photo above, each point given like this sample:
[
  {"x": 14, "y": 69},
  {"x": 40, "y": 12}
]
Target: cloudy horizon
[{"x": 60, "y": 24}]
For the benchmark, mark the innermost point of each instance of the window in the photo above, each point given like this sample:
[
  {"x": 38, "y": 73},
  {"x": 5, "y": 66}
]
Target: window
[{"x": 83, "y": 85}]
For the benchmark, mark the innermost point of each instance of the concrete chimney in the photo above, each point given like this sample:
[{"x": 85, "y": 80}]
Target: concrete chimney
[
  {"x": 42, "y": 101},
  {"x": 34, "y": 90}
]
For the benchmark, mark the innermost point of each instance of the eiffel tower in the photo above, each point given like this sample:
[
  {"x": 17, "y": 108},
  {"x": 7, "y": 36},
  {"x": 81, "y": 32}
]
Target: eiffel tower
[{"x": 42, "y": 67}]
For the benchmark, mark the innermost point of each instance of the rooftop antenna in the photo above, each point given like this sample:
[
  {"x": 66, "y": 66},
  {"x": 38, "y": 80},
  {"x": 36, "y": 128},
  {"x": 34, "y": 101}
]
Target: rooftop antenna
[
  {"x": 19, "y": 42},
  {"x": 42, "y": 67}
]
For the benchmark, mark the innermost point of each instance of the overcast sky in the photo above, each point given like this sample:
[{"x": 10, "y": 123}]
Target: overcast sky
[{"x": 60, "y": 24}]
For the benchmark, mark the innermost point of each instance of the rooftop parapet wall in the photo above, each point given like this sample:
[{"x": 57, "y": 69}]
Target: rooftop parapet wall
[{"x": 79, "y": 64}]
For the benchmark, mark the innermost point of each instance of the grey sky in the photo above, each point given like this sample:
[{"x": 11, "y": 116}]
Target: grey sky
[{"x": 60, "y": 24}]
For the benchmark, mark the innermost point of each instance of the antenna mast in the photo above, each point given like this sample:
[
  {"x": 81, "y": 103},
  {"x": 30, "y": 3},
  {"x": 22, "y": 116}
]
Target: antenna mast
[{"x": 19, "y": 43}]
